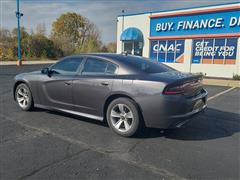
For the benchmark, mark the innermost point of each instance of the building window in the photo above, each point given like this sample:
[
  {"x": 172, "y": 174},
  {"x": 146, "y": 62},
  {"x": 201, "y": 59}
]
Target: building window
[
  {"x": 214, "y": 51},
  {"x": 133, "y": 47},
  {"x": 168, "y": 51}
]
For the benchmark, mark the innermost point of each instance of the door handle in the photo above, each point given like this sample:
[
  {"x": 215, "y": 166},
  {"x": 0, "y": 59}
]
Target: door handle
[
  {"x": 67, "y": 83},
  {"x": 105, "y": 83}
]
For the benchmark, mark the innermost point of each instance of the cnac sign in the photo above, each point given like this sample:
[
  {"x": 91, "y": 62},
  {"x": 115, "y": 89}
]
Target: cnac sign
[
  {"x": 209, "y": 23},
  {"x": 167, "y": 50}
]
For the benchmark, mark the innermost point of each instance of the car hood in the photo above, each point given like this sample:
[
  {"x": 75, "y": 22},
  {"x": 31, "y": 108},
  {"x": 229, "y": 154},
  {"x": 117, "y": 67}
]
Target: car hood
[
  {"x": 24, "y": 75},
  {"x": 35, "y": 72}
]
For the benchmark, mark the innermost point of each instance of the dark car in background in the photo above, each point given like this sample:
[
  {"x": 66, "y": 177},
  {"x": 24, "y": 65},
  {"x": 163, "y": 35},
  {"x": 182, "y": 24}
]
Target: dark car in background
[{"x": 129, "y": 92}]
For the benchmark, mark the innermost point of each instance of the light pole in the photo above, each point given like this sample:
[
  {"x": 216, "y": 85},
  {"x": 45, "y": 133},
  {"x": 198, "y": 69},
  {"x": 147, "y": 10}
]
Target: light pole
[
  {"x": 122, "y": 27},
  {"x": 19, "y": 15}
]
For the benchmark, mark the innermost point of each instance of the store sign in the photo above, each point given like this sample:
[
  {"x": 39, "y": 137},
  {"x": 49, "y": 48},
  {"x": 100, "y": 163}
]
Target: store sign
[
  {"x": 210, "y": 50},
  {"x": 210, "y": 23},
  {"x": 167, "y": 50}
]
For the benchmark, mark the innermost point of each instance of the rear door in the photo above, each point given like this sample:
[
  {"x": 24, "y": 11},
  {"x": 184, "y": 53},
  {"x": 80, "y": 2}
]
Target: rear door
[
  {"x": 93, "y": 85},
  {"x": 56, "y": 89}
]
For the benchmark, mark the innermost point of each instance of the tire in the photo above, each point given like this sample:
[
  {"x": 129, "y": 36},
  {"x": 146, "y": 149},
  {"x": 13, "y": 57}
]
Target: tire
[
  {"x": 123, "y": 117},
  {"x": 23, "y": 97}
]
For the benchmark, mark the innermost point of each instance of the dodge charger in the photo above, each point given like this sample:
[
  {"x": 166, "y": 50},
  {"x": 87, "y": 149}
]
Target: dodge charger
[{"x": 128, "y": 92}]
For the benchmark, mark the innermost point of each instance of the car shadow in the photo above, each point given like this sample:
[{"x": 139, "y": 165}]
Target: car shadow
[{"x": 212, "y": 124}]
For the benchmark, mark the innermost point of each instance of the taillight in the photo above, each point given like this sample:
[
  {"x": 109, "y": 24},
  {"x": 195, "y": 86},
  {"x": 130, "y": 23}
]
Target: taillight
[
  {"x": 187, "y": 86},
  {"x": 174, "y": 90}
]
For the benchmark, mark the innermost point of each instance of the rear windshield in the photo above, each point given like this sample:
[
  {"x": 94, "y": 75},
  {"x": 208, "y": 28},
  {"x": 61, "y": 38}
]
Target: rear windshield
[{"x": 145, "y": 65}]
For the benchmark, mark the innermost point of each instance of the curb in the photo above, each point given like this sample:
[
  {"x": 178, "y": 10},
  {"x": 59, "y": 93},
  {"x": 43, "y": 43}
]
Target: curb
[
  {"x": 221, "y": 82},
  {"x": 5, "y": 63}
]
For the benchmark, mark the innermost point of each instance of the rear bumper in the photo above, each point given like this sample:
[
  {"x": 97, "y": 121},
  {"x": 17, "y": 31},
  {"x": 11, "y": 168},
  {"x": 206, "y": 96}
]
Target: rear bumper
[
  {"x": 180, "y": 120},
  {"x": 189, "y": 114},
  {"x": 172, "y": 111}
]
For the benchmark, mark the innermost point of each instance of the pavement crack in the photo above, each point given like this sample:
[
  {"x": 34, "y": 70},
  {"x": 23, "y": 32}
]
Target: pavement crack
[
  {"x": 68, "y": 149},
  {"x": 52, "y": 163},
  {"x": 20, "y": 138},
  {"x": 131, "y": 149},
  {"x": 110, "y": 151},
  {"x": 135, "y": 163}
]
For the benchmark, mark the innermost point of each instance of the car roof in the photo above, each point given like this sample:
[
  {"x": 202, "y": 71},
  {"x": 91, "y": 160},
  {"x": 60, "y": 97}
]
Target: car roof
[
  {"x": 124, "y": 61},
  {"x": 111, "y": 56},
  {"x": 118, "y": 59}
]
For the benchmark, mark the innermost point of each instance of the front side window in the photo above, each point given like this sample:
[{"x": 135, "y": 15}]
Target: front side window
[
  {"x": 111, "y": 69},
  {"x": 67, "y": 66},
  {"x": 95, "y": 66}
]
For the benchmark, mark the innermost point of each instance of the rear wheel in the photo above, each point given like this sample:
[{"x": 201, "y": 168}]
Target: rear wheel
[
  {"x": 123, "y": 117},
  {"x": 23, "y": 97}
]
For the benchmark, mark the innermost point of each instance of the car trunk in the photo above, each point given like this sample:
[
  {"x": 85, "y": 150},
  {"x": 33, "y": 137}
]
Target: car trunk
[{"x": 190, "y": 84}]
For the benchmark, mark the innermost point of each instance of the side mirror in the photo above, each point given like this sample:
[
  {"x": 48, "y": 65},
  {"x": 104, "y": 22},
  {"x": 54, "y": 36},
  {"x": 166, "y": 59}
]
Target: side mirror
[
  {"x": 48, "y": 71},
  {"x": 45, "y": 71}
]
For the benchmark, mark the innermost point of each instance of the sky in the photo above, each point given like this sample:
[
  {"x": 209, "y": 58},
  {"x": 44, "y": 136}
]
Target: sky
[{"x": 103, "y": 13}]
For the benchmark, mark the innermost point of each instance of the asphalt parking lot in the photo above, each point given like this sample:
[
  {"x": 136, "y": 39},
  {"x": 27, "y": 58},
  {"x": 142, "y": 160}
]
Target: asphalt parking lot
[{"x": 49, "y": 145}]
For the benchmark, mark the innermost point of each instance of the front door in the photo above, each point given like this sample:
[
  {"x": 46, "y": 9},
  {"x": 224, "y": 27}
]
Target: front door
[
  {"x": 128, "y": 47},
  {"x": 93, "y": 86},
  {"x": 56, "y": 89}
]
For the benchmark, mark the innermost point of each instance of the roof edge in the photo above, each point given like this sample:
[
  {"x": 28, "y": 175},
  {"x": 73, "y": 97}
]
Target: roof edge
[{"x": 178, "y": 9}]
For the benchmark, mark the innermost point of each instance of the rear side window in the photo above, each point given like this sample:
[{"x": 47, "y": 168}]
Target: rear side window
[
  {"x": 68, "y": 65},
  {"x": 148, "y": 66},
  {"x": 95, "y": 66},
  {"x": 144, "y": 65}
]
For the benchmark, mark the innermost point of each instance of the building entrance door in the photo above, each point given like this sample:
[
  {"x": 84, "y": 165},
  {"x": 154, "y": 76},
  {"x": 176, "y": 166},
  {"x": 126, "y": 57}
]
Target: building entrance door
[{"x": 133, "y": 47}]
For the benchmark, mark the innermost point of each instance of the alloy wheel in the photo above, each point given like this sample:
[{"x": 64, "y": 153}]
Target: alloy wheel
[
  {"x": 121, "y": 117},
  {"x": 23, "y": 97}
]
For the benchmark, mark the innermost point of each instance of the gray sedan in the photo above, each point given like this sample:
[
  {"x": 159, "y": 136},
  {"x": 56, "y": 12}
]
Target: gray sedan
[{"x": 129, "y": 92}]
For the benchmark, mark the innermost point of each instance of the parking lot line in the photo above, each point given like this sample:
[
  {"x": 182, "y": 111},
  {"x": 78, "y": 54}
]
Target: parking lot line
[{"x": 221, "y": 93}]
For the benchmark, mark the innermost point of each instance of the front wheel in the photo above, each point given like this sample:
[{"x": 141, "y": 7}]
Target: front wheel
[
  {"x": 123, "y": 117},
  {"x": 23, "y": 97}
]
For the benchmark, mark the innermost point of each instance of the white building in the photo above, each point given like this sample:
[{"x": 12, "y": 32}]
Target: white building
[{"x": 204, "y": 39}]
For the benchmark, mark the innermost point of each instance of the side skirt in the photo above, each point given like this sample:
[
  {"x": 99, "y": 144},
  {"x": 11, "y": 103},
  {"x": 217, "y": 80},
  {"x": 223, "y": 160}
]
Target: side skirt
[{"x": 70, "y": 112}]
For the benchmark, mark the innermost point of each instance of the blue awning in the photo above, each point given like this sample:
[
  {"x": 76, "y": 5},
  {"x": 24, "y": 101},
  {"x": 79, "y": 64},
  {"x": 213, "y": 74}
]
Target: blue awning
[{"x": 131, "y": 34}]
